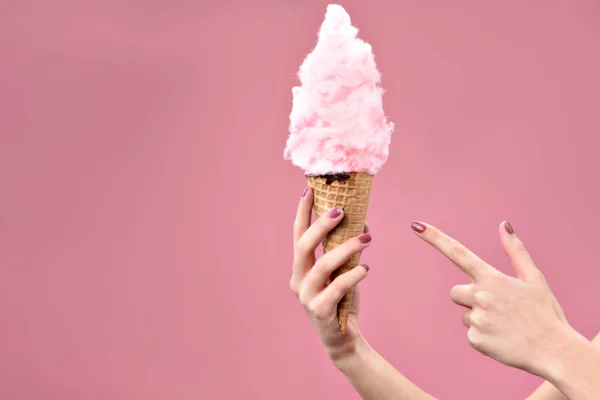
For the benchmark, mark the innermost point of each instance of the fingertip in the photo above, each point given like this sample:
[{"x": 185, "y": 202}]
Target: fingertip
[
  {"x": 306, "y": 193},
  {"x": 506, "y": 228},
  {"x": 367, "y": 229},
  {"x": 418, "y": 227},
  {"x": 303, "y": 213},
  {"x": 509, "y": 229},
  {"x": 362, "y": 271},
  {"x": 365, "y": 238},
  {"x": 335, "y": 213},
  {"x": 501, "y": 227}
]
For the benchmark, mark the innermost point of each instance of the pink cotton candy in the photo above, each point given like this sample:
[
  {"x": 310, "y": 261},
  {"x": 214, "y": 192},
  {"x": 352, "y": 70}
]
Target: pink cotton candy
[{"x": 337, "y": 123}]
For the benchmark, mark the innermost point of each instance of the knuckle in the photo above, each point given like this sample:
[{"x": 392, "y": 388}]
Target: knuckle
[
  {"x": 350, "y": 247},
  {"x": 482, "y": 298},
  {"x": 304, "y": 300},
  {"x": 337, "y": 291},
  {"x": 302, "y": 247},
  {"x": 325, "y": 222},
  {"x": 478, "y": 319},
  {"x": 339, "y": 286},
  {"x": 342, "y": 285},
  {"x": 317, "y": 310},
  {"x": 294, "y": 286},
  {"x": 466, "y": 320},
  {"x": 539, "y": 275},
  {"x": 319, "y": 265},
  {"x": 457, "y": 251},
  {"x": 474, "y": 339},
  {"x": 491, "y": 278},
  {"x": 494, "y": 274},
  {"x": 296, "y": 226}
]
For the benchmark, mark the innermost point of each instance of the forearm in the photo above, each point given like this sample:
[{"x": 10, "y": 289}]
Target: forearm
[
  {"x": 576, "y": 371},
  {"x": 547, "y": 391},
  {"x": 375, "y": 379}
]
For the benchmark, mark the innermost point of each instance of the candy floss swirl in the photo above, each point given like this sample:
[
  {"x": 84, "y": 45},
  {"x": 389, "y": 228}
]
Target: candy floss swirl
[{"x": 337, "y": 123}]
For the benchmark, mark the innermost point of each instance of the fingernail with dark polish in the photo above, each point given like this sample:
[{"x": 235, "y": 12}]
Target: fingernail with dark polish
[
  {"x": 304, "y": 191},
  {"x": 509, "y": 228},
  {"x": 365, "y": 266},
  {"x": 417, "y": 227},
  {"x": 336, "y": 212},
  {"x": 364, "y": 238}
]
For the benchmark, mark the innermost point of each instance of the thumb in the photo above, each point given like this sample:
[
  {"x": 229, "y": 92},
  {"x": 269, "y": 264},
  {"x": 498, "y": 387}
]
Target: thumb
[{"x": 518, "y": 254}]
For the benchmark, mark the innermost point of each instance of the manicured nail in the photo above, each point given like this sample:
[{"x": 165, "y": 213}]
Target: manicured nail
[
  {"x": 509, "y": 228},
  {"x": 365, "y": 266},
  {"x": 304, "y": 191},
  {"x": 417, "y": 227},
  {"x": 336, "y": 212},
  {"x": 364, "y": 238}
]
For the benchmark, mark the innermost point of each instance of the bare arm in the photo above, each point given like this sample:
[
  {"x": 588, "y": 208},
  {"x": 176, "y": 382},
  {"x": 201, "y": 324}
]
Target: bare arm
[
  {"x": 548, "y": 392},
  {"x": 517, "y": 320},
  {"x": 372, "y": 376},
  {"x": 375, "y": 379}
]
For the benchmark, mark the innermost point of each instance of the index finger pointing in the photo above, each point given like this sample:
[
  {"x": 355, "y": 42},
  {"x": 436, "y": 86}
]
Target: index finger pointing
[{"x": 464, "y": 258}]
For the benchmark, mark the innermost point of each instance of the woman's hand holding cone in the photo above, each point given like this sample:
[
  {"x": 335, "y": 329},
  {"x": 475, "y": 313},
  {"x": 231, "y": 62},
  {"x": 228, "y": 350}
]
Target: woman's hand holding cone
[{"x": 310, "y": 280}]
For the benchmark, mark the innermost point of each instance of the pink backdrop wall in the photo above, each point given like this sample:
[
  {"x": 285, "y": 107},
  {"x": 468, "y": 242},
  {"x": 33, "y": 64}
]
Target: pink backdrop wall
[{"x": 145, "y": 208}]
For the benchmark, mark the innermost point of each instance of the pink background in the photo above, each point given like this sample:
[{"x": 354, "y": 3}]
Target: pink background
[{"x": 145, "y": 206}]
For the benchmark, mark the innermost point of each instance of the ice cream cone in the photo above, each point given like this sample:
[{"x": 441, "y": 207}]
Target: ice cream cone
[{"x": 349, "y": 191}]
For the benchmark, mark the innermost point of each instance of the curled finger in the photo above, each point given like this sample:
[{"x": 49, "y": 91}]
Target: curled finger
[
  {"x": 462, "y": 295},
  {"x": 328, "y": 299},
  {"x": 318, "y": 276},
  {"x": 466, "y": 318}
]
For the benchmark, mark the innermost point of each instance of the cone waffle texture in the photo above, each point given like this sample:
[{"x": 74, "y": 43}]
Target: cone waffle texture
[{"x": 352, "y": 195}]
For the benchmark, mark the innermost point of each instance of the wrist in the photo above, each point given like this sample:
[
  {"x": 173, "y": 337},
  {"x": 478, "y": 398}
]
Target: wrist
[
  {"x": 572, "y": 357},
  {"x": 352, "y": 357},
  {"x": 557, "y": 343}
]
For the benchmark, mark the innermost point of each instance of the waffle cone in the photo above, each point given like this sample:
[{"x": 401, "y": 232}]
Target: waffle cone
[{"x": 352, "y": 195}]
